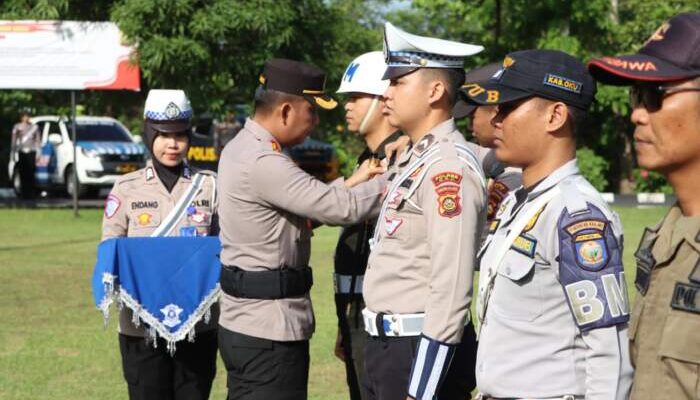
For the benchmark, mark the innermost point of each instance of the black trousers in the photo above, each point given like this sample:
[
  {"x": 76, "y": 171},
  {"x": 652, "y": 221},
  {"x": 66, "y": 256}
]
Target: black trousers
[
  {"x": 27, "y": 167},
  {"x": 153, "y": 374},
  {"x": 264, "y": 369},
  {"x": 351, "y": 327},
  {"x": 388, "y": 364}
]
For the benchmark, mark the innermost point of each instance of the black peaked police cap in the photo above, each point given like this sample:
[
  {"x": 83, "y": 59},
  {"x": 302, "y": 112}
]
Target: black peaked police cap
[
  {"x": 297, "y": 78},
  {"x": 550, "y": 74},
  {"x": 464, "y": 108}
]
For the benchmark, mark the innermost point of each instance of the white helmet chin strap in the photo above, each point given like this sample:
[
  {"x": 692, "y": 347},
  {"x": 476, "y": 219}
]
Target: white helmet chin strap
[{"x": 368, "y": 115}]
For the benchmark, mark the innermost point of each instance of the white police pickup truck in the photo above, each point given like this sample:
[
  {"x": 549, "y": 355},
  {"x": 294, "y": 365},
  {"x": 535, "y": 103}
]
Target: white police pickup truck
[{"x": 105, "y": 150}]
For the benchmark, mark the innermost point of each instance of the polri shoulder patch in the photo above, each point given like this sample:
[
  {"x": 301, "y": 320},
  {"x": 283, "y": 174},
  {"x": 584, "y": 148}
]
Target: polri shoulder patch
[
  {"x": 448, "y": 177},
  {"x": 447, "y": 187},
  {"x": 449, "y": 203}
]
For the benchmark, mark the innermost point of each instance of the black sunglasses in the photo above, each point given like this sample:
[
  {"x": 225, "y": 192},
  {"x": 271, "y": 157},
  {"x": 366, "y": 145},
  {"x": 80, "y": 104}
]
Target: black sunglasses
[
  {"x": 506, "y": 108},
  {"x": 652, "y": 97}
]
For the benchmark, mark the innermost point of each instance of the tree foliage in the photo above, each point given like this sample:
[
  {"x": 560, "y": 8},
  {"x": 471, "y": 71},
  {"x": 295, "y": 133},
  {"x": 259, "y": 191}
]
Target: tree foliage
[
  {"x": 214, "y": 49},
  {"x": 583, "y": 28}
]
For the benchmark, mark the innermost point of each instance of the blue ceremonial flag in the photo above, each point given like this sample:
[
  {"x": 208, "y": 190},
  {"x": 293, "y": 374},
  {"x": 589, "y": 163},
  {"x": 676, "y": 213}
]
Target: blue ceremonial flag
[{"x": 169, "y": 282}]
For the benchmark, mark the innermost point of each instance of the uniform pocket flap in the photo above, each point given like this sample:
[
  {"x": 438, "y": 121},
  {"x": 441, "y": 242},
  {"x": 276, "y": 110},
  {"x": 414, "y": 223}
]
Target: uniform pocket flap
[
  {"x": 681, "y": 338},
  {"x": 516, "y": 266}
]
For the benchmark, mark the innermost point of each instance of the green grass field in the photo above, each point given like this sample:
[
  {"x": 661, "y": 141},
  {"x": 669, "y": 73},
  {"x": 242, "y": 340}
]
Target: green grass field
[{"x": 52, "y": 341}]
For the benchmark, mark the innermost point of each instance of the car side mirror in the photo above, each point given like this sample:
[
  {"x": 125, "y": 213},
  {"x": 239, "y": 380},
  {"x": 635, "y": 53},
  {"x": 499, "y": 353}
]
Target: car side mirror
[{"x": 55, "y": 138}]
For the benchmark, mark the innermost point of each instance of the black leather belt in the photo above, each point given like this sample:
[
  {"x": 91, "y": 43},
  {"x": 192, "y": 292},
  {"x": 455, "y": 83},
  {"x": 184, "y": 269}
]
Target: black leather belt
[{"x": 277, "y": 283}]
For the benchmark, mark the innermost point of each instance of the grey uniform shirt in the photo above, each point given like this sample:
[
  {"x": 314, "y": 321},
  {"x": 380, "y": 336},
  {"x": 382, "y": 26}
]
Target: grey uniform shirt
[
  {"x": 266, "y": 203},
  {"x": 556, "y": 314}
]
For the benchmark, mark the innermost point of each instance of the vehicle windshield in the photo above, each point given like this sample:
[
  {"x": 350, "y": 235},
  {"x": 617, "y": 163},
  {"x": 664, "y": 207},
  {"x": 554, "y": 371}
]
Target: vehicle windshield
[{"x": 102, "y": 131}]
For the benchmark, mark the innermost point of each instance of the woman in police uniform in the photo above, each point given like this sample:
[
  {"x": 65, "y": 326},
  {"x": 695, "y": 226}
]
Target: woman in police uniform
[{"x": 149, "y": 202}]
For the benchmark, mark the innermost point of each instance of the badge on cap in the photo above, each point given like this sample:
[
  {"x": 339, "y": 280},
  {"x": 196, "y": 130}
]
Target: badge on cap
[
  {"x": 172, "y": 111},
  {"x": 659, "y": 33},
  {"x": 297, "y": 78},
  {"x": 167, "y": 105},
  {"x": 404, "y": 52}
]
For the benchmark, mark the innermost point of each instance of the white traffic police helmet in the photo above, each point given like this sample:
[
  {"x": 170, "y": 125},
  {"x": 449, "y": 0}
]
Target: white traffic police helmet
[{"x": 364, "y": 75}]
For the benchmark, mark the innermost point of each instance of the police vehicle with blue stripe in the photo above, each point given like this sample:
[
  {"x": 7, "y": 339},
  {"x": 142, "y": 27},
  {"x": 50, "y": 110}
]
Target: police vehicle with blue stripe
[{"x": 105, "y": 150}]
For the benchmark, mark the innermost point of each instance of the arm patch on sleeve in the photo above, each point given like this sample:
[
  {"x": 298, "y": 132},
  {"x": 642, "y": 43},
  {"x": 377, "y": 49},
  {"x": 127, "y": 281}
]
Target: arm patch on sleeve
[
  {"x": 590, "y": 269},
  {"x": 429, "y": 368},
  {"x": 496, "y": 193},
  {"x": 112, "y": 204},
  {"x": 447, "y": 187}
]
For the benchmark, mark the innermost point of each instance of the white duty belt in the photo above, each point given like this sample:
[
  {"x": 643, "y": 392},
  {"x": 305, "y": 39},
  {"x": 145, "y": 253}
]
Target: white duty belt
[
  {"x": 396, "y": 325},
  {"x": 482, "y": 396}
]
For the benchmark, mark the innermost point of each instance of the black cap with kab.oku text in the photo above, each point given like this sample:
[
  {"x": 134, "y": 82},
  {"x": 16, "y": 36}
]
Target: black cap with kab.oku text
[
  {"x": 671, "y": 53},
  {"x": 299, "y": 79},
  {"x": 550, "y": 74}
]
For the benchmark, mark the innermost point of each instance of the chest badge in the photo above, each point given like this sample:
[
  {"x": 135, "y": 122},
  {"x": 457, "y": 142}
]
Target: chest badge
[
  {"x": 144, "y": 219},
  {"x": 275, "y": 146},
  {"x": 391, "y": 225}
]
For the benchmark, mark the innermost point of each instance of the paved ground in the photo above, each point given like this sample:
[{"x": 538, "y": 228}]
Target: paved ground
[{"x": 9, "y": 200}]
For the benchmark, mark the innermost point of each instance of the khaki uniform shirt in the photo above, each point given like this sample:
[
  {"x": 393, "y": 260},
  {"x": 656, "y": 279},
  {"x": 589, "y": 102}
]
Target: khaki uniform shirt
[
  {"x": 554, "y": 310},
  {"x": 267, "y": 202},
  {"x": 139, "y": 202},
  {"x": 424, "y": 253},
  {"x": 665, "y": 328}
]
